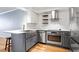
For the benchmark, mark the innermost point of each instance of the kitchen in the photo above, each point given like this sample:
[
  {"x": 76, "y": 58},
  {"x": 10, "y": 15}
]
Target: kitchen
[{"x": 30, "y": 26}]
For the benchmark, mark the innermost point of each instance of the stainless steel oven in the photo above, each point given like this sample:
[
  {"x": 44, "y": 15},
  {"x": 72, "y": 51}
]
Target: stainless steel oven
[{"x": 54, "y": 37}]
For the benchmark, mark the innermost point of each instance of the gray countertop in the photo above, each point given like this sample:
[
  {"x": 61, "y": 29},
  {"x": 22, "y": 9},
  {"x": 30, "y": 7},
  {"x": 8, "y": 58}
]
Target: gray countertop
[{"x": 27, "y": 31}]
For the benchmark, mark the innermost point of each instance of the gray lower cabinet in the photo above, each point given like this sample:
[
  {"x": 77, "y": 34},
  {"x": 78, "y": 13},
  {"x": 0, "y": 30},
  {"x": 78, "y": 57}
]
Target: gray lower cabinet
[
  {"x": 30, "y": 42},
  {"x": 18, "y": 42},
  {"x": 34, "y": 40},
  {"x": 66, "y": 41},
  {"x": 28, "y": 45}
]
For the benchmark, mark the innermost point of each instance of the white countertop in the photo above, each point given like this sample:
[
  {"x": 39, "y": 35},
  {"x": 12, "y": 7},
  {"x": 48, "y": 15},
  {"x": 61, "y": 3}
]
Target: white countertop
[
  {"x": 21, "y": 31},
  {"x": 50, "y": 29},
  {"x": 15, "y": 31}
]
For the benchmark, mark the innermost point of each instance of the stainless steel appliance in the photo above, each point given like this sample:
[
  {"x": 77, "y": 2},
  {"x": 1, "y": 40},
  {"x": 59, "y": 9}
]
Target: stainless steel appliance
[{"x": 54, "y": 37}]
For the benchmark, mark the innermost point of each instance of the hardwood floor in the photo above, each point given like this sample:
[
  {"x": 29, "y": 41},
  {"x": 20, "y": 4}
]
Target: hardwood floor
[
  {"x": 47, "y": 48},
  {"x": 37, "y": 48},
  {"x": 2, "y": 45}
]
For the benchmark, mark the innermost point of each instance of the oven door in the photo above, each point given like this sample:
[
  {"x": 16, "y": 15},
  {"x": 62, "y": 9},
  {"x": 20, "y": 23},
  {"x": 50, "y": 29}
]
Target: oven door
[{"x": 54, "y": 38}]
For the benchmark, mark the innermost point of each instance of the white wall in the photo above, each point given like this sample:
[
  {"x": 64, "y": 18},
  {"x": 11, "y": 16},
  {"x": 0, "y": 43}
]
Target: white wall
[
  {"x": 74, "y": 24},
  {"x": 32, "y": 20},
  {"x": 11, "y": 21},
  {"x": 63, "y": 22}
]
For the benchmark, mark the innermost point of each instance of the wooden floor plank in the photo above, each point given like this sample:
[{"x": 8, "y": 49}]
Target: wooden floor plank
[
  {"x": 47, "y": 48},
  {"x": 2, "y": 44}
]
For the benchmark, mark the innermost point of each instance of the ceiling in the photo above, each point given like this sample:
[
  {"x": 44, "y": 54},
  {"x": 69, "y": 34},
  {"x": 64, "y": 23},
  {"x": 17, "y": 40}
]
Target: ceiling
[
  {"x": 4, "y": 9},
  {"x": 45, "y": 9},
  {"x": 35, "y": 9},
  {"x": 41, "y": 9}
]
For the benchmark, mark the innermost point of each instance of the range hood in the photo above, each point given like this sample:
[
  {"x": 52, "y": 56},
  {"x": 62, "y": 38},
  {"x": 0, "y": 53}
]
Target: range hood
[{"x": 54, "y": 14}]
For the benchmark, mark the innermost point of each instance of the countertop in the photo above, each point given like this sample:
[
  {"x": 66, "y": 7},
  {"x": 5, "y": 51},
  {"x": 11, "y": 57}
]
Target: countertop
[
  {"x": 20, "y": 31},
  {"x": 16, "y": 31},
  {"x": 27, "y": 30},
  {"x": 50, "y": 29}
]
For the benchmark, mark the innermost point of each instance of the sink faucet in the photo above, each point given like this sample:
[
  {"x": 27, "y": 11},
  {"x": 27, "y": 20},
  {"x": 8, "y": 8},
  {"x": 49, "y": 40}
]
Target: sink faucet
[
  {"x": 23, "y": 27},
  {"x": 59, "y": 29}
]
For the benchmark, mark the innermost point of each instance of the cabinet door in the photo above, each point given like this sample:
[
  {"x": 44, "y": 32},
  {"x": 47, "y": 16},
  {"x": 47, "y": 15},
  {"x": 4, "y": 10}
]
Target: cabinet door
[
  {"x": 30, "y": 42},
  {"x": 33, "y": 40},
  {"x": 28, "y": 45},
  {"x": 66, "y": 41},
  {"x": 18, "y": 42}
]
